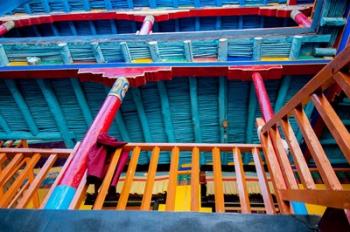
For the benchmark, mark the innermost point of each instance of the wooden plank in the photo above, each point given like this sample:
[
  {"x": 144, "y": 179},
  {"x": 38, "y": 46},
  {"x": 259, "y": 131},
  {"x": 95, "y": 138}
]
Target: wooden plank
[
  {"x": 241, "y": 181},
  {"x": 45, "y": 152},
  {"x": 299, "y": 160},
  {"x": 218, "y": 184},
  {"x": 107, "y": 180},
  {"x": 274, "y": 168},
  {"x": 80, "y": 193},
  {"x": 7, "y": 197},
  {"x": 319, "y": 156},
  {"x": 63, "y": 170},
  {"x": 9, "y": 168},
  {"x": 329, "y": 198},
  {"x": 263, "y": 183},
  {"x": 283, "y": 158},
  {"x": 343, "y": 80},
  {"x": 3, "y": 158},
  {"x": 333, "y": 122},
  {"x": 322, "y": 79},
  {"x": 124, "y": 196},
  {"x": 171, "y": 192},
  {"x": 195, "y": 194},
  {"x": 152, "y": 170},
  {"x": 33, "y": 188}
]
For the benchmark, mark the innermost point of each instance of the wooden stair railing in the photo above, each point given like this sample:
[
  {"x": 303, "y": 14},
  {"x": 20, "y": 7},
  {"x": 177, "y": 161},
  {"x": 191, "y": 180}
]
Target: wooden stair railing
[
  {"x": 175, "y": 149},
  {"x": 335, "y": 73},
  {"x": 22, "y": 171}
]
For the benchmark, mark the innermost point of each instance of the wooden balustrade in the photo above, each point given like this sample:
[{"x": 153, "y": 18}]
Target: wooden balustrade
[
  {"x": 334, "y": 76},
  {"x": 175, "y": 149},
  {"x": 22, "y": 172}
]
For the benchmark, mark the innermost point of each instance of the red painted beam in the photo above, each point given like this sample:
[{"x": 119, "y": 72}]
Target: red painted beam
[
  {"x": 24, "y": 21},
  {"x": 138, "y": 76}
]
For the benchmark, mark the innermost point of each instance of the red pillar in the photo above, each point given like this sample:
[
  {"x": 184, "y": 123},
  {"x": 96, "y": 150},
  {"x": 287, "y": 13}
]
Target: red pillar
[
  {"x": 102, "y": 123},
  {"x": 147, "y": 25},
  {"x": 300, "y": 18},
  {"x": 263, "y": 97}
]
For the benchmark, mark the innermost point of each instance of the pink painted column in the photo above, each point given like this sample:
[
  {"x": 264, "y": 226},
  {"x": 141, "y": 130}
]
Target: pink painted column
[
  {"x": 66, "y": 188},
  {"x": 147, "y": 25},
  {"x": 300, "y": 18},
  {"x": 263, "y": 97}
]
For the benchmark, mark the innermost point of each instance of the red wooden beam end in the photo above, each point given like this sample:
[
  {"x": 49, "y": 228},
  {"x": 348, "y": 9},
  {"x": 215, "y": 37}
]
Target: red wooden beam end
[
  {"x": 300, "y": 18},
  {"x": 6, "y": 26}
]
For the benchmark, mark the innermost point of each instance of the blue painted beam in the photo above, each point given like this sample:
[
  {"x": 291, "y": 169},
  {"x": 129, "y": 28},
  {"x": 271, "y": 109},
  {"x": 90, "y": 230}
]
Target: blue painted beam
[
  {"x": 3, "y": 56},
  {"x": 141, "y": 114},
  {"x": 142, "y": 117},
  {"x": 165, "y": 107},
  {"x": 250, "y": 119},
  {"x": 44, "y": 136},
  {"x": 56, "y": 111},
  {"x": 222, "y": 99},
  {"x": 86, "y": 5},
  {"x": 4, "y": 125},
  {"x": 282, "y": 93},
  {"x": 194, "y": 109},
  {"x": 83, "y": 104},
  {"x": 22, "y": 105},
  {"x": 8, "y": 6},
  {"x": 122, "y": 127}
]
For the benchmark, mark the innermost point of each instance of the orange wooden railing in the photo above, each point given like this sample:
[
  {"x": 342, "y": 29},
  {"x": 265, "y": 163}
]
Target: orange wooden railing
[
  {"x": 175, "y": 150},
  {"x": 22, "y": 171},
  {"x": 333, "y": 78}
]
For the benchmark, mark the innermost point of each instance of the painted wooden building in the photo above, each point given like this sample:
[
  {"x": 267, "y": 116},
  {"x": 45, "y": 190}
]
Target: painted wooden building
[{"x": 236, "y": 106}]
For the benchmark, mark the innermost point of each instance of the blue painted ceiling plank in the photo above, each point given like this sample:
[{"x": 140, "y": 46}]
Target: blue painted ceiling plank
[
  {"x": 46, "y": 6},
  {"x": 86, "y": 5},
  {"x": 164, "y": 100},
  {"x": 141, "y": 114},
  {"x": 22, "y": 105},
  {"x": 251, "y": 119},
  {"x": 83, "y": 104},
  {"x": 3, "y": 123},
  {"x": 123, "y": 131},
  {"x": 66, "y": 6},
  {"x": 44, "y": 136},
  {"x": 120, "y": 122},
  {"x": 222, "y": 99},
  {"x": 56, "y": 111},
  {"x": 194, "y": 110},
  {"x": 8, "y": 6},
  {"x": 282, "y": 93}
]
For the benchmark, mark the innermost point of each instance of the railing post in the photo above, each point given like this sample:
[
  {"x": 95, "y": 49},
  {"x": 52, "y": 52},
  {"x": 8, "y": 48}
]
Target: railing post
[
  {"x": 267, "y": 112},
  {"x": 68, "y": 184}
]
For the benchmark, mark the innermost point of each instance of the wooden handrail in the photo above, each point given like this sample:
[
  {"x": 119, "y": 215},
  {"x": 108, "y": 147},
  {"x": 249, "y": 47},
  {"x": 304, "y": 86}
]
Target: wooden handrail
[
  {"x": 331, "y": 77},
  {"x": 321, "y": 81}
]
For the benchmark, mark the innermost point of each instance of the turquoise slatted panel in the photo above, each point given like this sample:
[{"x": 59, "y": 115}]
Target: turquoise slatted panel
[
  {"x": 204, "y": 49},
  {"x": 171, "y": 50},
  {"x": 275, "y": 47},
  {"x": 139, "y": 50},
  {"x": 240, "y": 48},
  {"x": 37, "y": 105},
  {"x": 9, "y": 110},
  {"x": 81, "y": 52},
  {"x": 111, "y": 52},
  {"x": 70, "y": 107}
]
